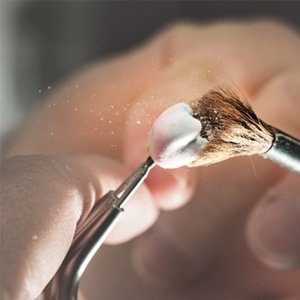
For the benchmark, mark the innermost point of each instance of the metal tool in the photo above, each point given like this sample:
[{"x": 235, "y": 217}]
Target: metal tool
[
  {"x": 91, "y": 234},
  {"x": 285, "y": 151}
]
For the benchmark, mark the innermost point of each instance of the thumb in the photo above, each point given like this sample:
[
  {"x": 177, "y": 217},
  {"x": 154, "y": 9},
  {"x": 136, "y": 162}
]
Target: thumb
[
  {"x": 42, "y": 200},
  {"x": 274, "y": 227}
]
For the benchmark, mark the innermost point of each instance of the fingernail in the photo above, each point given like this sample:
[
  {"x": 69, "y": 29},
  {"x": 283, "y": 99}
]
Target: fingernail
[
  {"x": 274, "y": 227},
  {"x": 159, "y": 261}
]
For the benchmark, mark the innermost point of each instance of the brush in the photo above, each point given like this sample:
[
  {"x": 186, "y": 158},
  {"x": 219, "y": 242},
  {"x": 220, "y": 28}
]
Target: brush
[{"x": 215, "y": 127}]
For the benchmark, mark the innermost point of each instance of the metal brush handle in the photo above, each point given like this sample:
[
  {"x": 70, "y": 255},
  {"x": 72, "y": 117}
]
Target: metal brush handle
[{"x": 285, "y": 151}]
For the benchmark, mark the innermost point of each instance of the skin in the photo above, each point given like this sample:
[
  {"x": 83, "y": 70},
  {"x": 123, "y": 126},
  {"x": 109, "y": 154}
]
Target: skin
[{"x": 236, "y": 237}]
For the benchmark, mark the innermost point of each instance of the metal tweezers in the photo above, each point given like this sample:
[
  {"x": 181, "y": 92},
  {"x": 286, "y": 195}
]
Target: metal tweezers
[{"x": 91, "y": 234}]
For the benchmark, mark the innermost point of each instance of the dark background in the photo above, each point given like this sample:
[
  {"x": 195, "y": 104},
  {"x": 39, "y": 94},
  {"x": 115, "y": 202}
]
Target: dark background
[
  {"x": 68, "y": 34},
  {"x": 53, "y": 38}
]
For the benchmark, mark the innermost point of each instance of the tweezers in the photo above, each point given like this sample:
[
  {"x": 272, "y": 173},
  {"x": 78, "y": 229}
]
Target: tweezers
[{"x": 91, "y": 234}]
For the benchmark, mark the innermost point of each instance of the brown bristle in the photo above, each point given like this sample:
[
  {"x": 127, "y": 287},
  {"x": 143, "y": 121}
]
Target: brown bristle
[{"x": 230, "y": 126}]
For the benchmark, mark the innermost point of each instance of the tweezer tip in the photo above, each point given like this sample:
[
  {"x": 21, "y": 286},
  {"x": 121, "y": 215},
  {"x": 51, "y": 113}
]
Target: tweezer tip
[
  {"x": 149, "y": 162},
  {"x": 133, "y": 181}
]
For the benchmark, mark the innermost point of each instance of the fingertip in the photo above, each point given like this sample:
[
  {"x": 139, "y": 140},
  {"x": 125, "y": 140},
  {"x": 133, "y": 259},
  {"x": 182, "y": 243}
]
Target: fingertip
[
  {"x": 171, "y": 189},
  {"x": 273, "y": 230}
]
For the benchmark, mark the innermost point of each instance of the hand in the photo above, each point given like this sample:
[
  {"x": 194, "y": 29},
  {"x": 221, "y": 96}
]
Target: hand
[
  {"x": 191, "y": 251},
  {"x": 204, "y": 242},
  {"x": 43, "y": 199}
]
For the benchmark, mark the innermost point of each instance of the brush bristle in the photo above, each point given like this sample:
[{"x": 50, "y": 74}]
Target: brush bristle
[{"x": 230, "y": 126}]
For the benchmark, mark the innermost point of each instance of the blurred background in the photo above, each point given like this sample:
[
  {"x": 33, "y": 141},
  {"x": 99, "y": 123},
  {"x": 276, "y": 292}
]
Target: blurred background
[{"x": 42, "y": 42}]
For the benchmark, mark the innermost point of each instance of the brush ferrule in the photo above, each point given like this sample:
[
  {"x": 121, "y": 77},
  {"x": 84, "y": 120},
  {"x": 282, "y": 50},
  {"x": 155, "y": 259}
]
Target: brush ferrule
[{"x": 285, "y": 151}]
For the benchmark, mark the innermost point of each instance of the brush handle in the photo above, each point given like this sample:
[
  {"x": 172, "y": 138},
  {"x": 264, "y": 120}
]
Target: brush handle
[{"x": 285, "y": 151}]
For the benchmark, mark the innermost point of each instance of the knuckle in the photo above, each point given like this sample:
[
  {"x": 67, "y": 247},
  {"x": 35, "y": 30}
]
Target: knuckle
[
  {"x": 178, "y": 32},
  {"x": 175, "y": 40}
]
